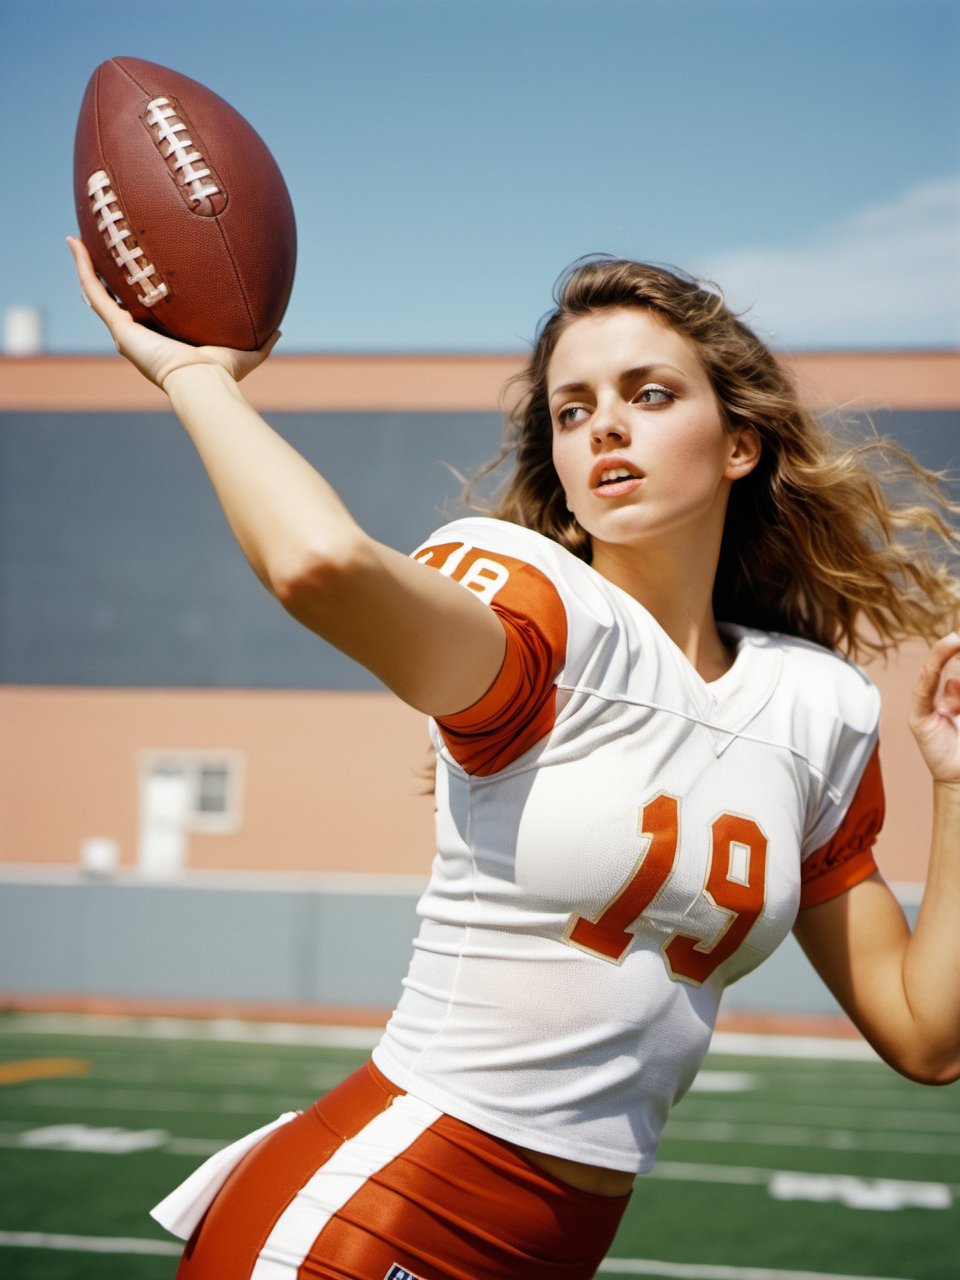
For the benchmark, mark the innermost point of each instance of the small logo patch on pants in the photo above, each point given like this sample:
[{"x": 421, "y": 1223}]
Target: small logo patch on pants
[{"x": 397, "y": 1272}]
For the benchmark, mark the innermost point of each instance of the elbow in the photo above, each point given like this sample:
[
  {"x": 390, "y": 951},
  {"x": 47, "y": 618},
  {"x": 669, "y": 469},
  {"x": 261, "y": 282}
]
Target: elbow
[
  {"x": 928, "y": 1069},
  {"x": 311, "y": 578},
  {"x": 948, "y": 1074}
]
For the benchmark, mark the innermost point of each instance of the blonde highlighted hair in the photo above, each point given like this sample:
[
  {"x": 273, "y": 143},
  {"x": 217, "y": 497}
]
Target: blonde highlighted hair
[{"x": 849, "y": 545}]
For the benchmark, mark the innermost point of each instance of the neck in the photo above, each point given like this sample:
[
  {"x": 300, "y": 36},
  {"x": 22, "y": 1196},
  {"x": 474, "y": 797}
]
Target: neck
[{"x": 678, "y": 592}]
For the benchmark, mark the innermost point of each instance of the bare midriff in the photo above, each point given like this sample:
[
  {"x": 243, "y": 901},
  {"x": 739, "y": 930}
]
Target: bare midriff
[{"x": 585, "y": 1177}]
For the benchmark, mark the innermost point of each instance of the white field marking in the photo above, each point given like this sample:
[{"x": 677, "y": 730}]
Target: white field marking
[
  {"x": 723, "y": 1082},
  {"x": 859, "y": 1095},
  {"x": 694, "y": 1171},
  {"x": 853, "y": 1086},
  {"x": 827, "y": 1139},
  {"x": 307, "y": 1076},
  {"x": 611, "y": 1266},
  {"x": 884, "y": 1194},
  {"x": 196, "y": 1146},
  {"x": 231, "y": 1030},
  {"x": 84, "y": 1137},
  {"x": 87, "y": 1244},
  {"x": 689, "y": 1171},
  {"x": 706, "y": 1271},
  {"x": 235, "y": 1029},
  {"x": 756, "y": 1046},
  {"x": 819, "y": 1117},
  {"x": 120, "y": 1100},
  {"x": 858, "y": 1089},
  {"x": 855, "y": 1193},
  {"x": 110, "y": 1141},
  {"x": 785, "y": 1184}
]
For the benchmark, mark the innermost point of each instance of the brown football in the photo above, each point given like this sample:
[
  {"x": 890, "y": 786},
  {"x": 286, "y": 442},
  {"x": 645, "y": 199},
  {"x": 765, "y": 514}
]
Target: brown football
[{"x": 182, "y": 207}]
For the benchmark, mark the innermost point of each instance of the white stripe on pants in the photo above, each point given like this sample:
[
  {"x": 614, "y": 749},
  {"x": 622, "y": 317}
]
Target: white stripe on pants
[{"x": 328, "y": 1190}]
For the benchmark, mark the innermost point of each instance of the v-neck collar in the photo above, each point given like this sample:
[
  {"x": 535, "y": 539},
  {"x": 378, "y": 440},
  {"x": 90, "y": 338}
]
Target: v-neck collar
[
  {"x": 724, "y": 706},
  {"x": 728, "y": 704}
]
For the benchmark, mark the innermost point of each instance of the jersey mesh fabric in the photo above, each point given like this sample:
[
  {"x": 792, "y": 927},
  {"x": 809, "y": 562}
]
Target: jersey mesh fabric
[{"x": 599, "y": 774}]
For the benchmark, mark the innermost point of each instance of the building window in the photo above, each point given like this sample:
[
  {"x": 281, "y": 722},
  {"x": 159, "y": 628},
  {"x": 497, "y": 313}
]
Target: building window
[{"x": 214, "y": 783}]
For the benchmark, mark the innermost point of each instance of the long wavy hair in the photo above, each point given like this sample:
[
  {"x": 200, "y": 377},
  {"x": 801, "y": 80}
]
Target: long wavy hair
[{"x": 850, "y": 545}]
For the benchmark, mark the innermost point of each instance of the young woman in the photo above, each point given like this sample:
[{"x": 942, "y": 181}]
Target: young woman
[{"x": 654, "y": 760}]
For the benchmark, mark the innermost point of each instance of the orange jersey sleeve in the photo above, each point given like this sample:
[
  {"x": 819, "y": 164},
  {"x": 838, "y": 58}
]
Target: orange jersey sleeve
[
  {"x": 847, "y": 857},
  {"x": 519, "y": 708}
]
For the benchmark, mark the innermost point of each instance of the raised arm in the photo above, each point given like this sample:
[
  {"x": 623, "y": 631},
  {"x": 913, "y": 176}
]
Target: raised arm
[
  {"x": 434, "y": 643},
  {"x": 903, "y": 990}
]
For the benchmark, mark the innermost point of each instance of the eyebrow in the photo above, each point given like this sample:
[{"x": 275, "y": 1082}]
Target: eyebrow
[{"x": 628, "y": 375}]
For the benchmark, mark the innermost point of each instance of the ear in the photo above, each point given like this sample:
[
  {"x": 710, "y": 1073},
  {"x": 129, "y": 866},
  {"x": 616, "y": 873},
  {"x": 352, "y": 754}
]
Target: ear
[{"x": 744, "y": 453}]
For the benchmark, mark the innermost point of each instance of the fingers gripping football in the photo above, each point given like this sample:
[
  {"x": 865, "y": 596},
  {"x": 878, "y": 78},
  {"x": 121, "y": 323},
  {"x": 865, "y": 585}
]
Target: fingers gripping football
[{"x": 155, "y": 355}]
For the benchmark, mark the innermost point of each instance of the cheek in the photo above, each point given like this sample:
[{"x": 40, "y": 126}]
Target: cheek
[
  {"x": 561, "y": 464},
  {"x": 694, "y": 453}
]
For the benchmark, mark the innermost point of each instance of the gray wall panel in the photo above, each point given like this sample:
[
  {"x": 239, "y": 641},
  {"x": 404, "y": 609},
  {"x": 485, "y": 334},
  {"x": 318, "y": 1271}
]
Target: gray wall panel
[
  {"x": 177, "y": 942},
  {"x": 117, "y": 568},
  {"x": 301, "y": 946}
]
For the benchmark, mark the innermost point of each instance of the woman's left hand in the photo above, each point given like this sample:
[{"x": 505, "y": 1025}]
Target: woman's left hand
[{"x": 934, "y": 712}]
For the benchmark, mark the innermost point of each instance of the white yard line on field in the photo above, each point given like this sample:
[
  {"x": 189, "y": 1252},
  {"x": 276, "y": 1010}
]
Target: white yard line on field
[
  {"x": 230, "y": 1030},
  {"x": 851, "y": 1190},
  {"x": 234, "y": 1029},
  {"x": 87, "y": 1100},
  {"x": 743, "y": 1133},
  {"x": 758, "y": 1046},
  {"x": 854, "y": 1192},
  {"x": 752, "y": 1110},
  {"x": 87, "y": 1244},
  {"x": 746, "y": 1175},
  {"x": 706, "y": 1271},
  {"x": 611, "y": 1266}
]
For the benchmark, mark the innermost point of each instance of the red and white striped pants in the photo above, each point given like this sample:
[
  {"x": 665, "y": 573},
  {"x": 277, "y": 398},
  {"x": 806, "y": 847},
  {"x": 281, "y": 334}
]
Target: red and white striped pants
[{"x": 372, "y": 1184}]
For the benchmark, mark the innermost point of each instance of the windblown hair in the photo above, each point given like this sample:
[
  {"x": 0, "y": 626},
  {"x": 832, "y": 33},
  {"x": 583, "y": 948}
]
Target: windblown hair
[{"x": 852, "y": 546}]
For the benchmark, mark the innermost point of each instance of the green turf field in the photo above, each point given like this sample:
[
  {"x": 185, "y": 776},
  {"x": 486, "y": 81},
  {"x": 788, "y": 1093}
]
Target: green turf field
[{"x": 774, "y": 1168}]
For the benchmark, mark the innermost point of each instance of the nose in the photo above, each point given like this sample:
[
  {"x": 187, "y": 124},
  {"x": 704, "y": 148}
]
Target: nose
[{"x": 609, "y": 426}]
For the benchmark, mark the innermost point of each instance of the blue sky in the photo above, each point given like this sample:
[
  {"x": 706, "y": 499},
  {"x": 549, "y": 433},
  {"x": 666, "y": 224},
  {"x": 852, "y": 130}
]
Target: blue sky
[{"x": 448, "y": 158}]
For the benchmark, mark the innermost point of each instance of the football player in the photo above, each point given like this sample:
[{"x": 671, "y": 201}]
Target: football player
[{"x": 655, "y": 757}]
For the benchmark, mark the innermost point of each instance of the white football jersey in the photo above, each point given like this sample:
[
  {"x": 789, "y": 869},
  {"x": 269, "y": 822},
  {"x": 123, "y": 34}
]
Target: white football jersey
[{"x": 616, "y": 841}]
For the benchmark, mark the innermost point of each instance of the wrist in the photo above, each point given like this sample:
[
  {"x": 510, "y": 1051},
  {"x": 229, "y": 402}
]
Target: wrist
[
  {"x": 199, "y": 373},
  {"x": 946, "y": 791}
]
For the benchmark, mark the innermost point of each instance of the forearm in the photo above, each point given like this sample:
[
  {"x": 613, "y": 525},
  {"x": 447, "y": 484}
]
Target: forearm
[
  {"x": 405, "y": 623},
  {"x": 901, "y": 988},
  {"x": 931, "y": 964},
  {"x": 280, "y": 509}
]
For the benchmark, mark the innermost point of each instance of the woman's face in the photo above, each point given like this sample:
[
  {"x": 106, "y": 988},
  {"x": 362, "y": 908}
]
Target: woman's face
[{"x": 639, "y": 442}]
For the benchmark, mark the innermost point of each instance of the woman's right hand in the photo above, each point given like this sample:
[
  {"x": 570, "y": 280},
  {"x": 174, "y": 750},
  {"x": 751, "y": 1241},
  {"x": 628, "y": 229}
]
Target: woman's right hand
[{"x": 155, "y": 355}]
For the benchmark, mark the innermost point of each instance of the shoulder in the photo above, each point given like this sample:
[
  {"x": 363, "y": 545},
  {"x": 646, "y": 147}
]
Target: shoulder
[
  {"x": 499, "y": 537},
  {"x": 489, "y": 555},
  {"x": 820, "y": 680},
  {"x": 828, "y": 710}
]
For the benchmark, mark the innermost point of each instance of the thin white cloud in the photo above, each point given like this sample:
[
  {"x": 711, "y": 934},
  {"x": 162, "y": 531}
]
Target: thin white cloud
[{"x": 887, "y": 276}]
